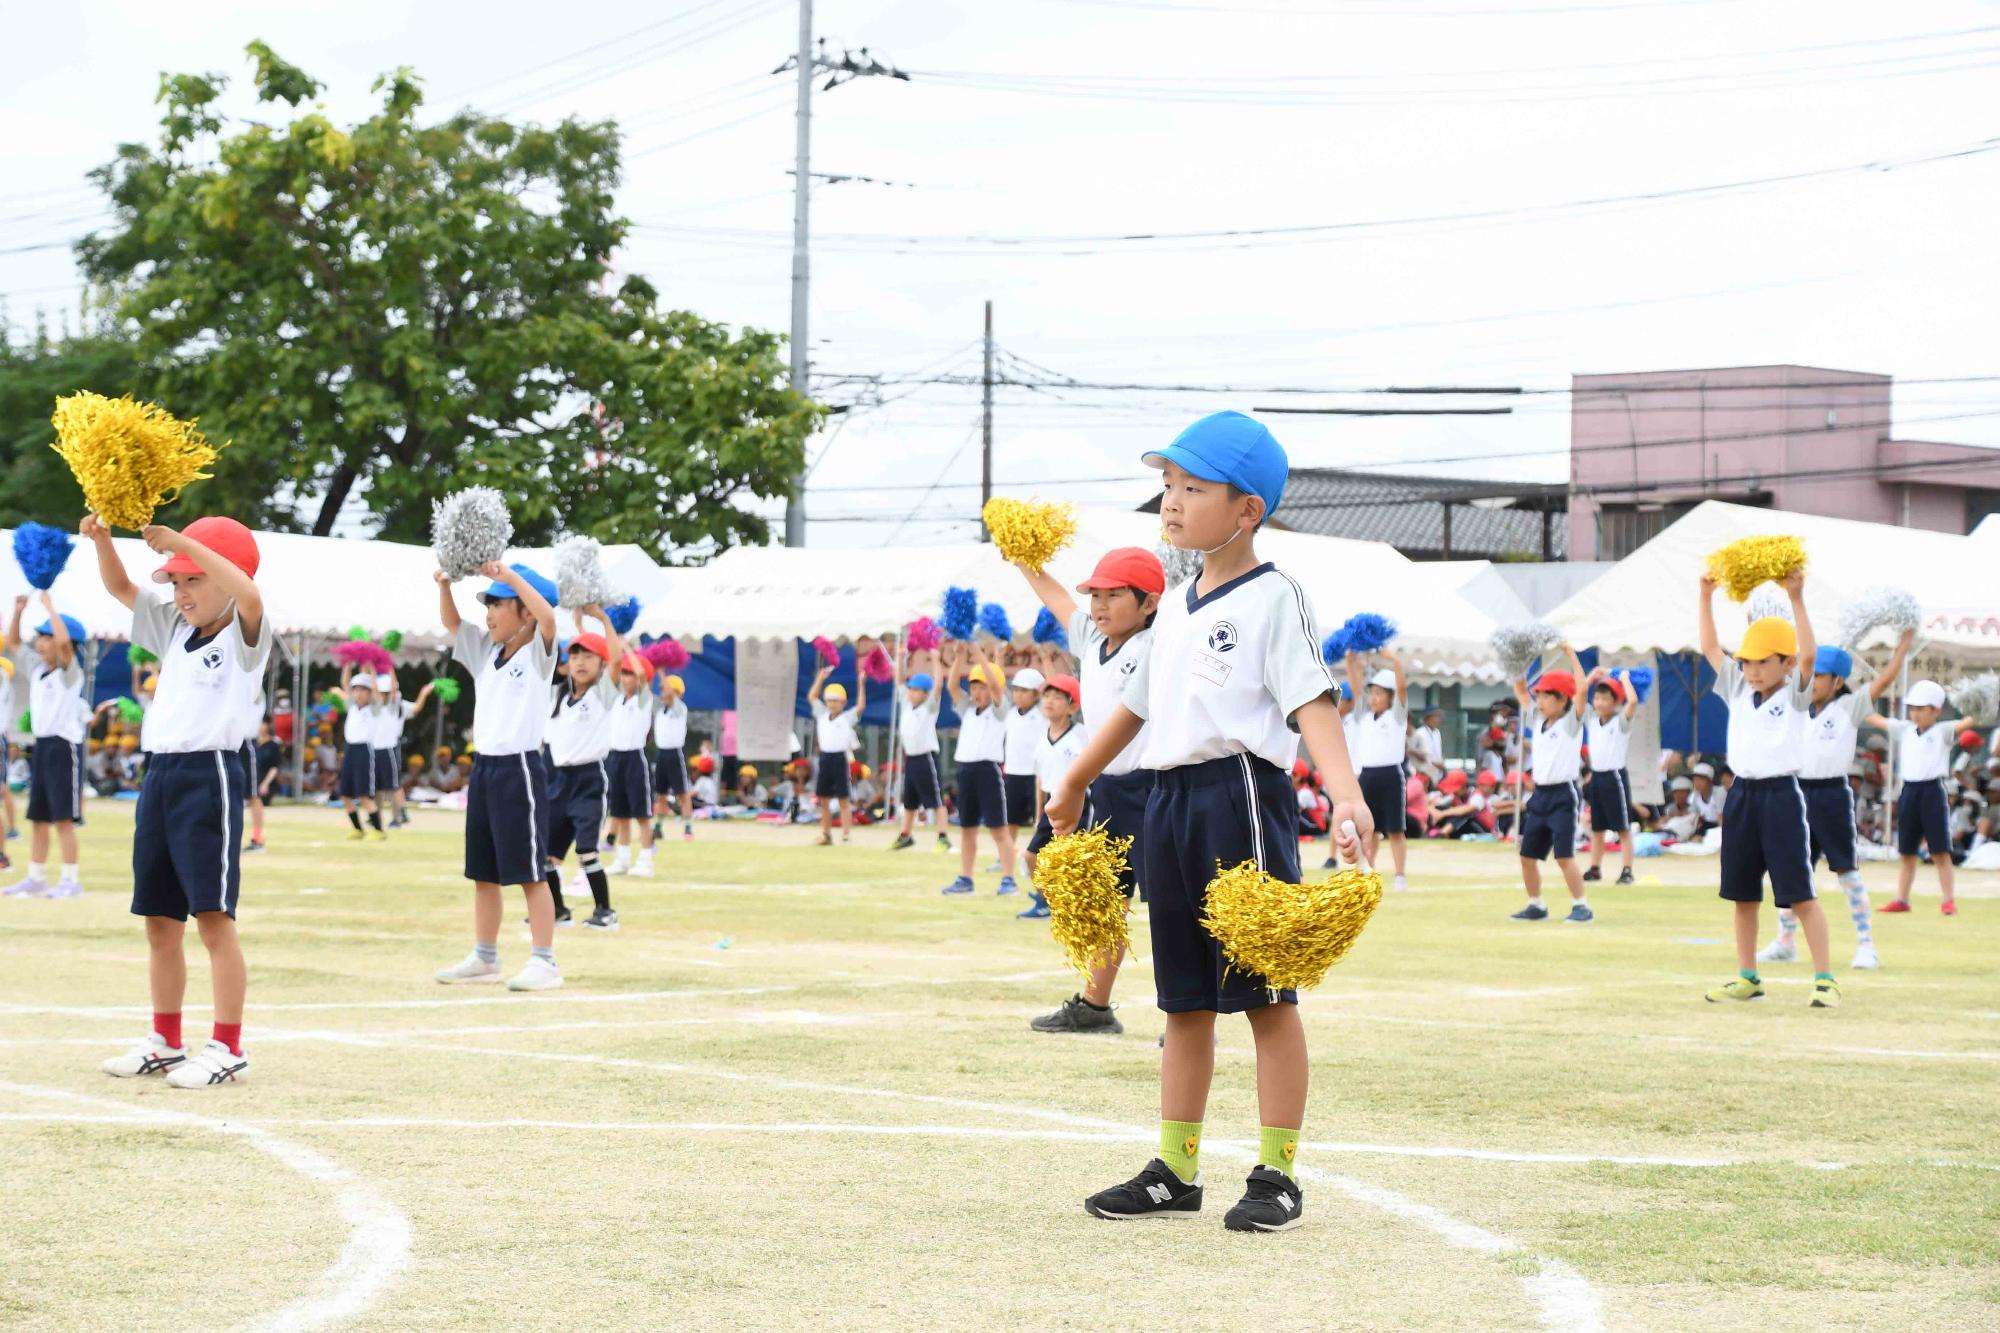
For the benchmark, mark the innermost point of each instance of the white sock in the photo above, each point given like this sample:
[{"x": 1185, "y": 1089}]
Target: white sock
[
  {"x": 69, "y": 874},
  {"x": 38, "y": 870},
  {"x": 645, "y": 856}
]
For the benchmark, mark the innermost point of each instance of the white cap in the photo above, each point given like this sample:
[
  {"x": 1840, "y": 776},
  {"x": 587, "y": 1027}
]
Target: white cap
[
  {"x": 1702, "y": 771},
  {"x": 1681, "y": 784},
  {"x": 1384, "y": 679},
  {"x": 1925, "y": 694},
  {"x": 385, "y": 683},
  {"x": 1027, "y": 678}
]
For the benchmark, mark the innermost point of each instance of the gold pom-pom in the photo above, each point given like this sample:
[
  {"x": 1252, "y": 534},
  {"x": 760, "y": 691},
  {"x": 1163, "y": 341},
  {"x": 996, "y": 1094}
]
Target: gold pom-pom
[
  {"x": 1028, "y": 534},
  {"x": 1288, "y": 934},
  {"x": 1077, "y": 876},
  {"x": 1742, "y": 565},
  {"x": 129, "y": 458}
]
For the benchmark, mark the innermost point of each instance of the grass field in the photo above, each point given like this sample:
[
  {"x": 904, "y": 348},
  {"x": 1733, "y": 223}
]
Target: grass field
[{"x": 798, "y": 1089}]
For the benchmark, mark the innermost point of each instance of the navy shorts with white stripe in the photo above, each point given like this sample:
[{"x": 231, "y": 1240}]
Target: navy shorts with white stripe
[
  {"x": 1549, "y": 826},
  {"x": 388, "y": 768},
  {"x": 55, "y": 781},
  {"x": 1610, "y": 801},
  {"x": 630, "y": 794},
  {"x": 507, "y": 819},
  {"x": 357, "y": 773},
  {"x": 577, "y": 800},
  {"x": 1764, "y": 833},
  {"x": 923, "y": 784},
  {"x": 188, "y": 834}
]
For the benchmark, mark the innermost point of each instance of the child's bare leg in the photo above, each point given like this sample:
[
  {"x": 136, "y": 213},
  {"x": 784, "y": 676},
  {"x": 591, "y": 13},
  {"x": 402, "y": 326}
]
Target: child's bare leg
[
  {"x": 1596, "y": 850},
  {"x": 166, "y": 963},
  {"x": 1282, "y": 1070},
  {"x": 1003, "y": 841},
  {"x": 486, "y": 913},
  {"x": 1187, "y": 1066},
  {"x": 1399, "y": 850},
  {"x": 257, "y": 820},
  {"x": 1571, "y": 876},
  {"x": 909, "y": 819},
  {"x": 1813, "y": 920},
  {"x": 825, "y": 817},
  {"x": 1531, "y": 878},
  {"x": 1628, "y": 845},
  {"x": 968, "y": 841},
  {"x": 846, "y": 808},
  {"x": 1906, "y": 878},
  {"x": 1102, "y": 978},
  {"x": 645, "y": 834},
  {"x": 1746, "y": 936},
  {"x": 1946, "y": 870},
  {"x": 226, "y": 970},
  {"x": 38, "y": 843},
  {"x": 541, "y": 913},
  {"x": 66, "y": 842}
]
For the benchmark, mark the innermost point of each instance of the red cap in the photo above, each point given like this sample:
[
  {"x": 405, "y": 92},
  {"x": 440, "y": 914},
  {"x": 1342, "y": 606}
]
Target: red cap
[
  {"x": 1556, "y": 682},
  {"x": 1486, "y": 778},
  {"x": 224, "y": 536},
  {"x": 1611, "y": 683},
  {"x": 1453, "y": 781},
  {"x": 1968, "y": 739},
  {"x": 704, "y": 764},
  {"x": 1301, "y": 769},
  {"x": 1068, "y": 685},
  {"x": 593, "y": 644},
  {"x": 1127, "y": 567}
]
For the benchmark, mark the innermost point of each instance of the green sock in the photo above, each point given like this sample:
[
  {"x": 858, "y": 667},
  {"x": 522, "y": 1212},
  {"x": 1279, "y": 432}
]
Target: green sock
[
  {"x": 1822, "y": 976},
  {"x": 1276, "y": 1148},
  {"x": 1747, "y": 974},
  {"x": 1180, "y": 1147}
]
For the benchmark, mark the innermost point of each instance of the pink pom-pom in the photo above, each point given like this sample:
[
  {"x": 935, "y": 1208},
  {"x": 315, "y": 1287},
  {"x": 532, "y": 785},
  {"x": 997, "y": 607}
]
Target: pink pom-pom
[
  {"x": 878, "y": 667},
  {"x": 923, "y": 635},
  {"x": 665, "y": 654},
  {"x": 828, "y": 650},
  {"x": 369, "y": 657}
]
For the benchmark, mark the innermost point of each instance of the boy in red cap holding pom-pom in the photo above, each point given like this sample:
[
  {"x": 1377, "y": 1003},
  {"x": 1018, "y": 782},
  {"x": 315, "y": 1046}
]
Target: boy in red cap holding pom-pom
[
  {"x": 212, "y": 643},
  {"x": 1553, "y": 733}
]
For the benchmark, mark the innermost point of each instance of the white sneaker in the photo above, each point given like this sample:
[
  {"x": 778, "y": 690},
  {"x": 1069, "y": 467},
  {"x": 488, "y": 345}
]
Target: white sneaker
[
  {"x": 212, "y": 1065},
  {"x": 618, "y": 867},
  {"x": 1780, "y": 950},
  {"x": 28, "y": 887},
  {"x": 470, "y": 972},
  {"x": 537, "y": 975},
  {"x": 644, "y": 869},
  {"x": 151, "y": 1056},
  {"x": 1399, "y": 884},
  {"x": 64, "y": 888},
  {"x": 1865, "y": 959}
]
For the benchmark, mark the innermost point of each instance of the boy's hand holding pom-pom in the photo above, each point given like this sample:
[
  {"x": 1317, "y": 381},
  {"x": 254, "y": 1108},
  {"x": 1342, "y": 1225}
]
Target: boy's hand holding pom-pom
[
  {"x": 1290, "y": 935},
  {"x": 1077, "y": 875},
  {"x": 1028, "y": 534},
  {"x": 470, "y": 529},
  {"x": 129, "y": 458},
  {"x": 1743, "y": 564}
]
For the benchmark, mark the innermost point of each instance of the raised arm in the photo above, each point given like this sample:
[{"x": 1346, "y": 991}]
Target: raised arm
[
  {"x": 860, "y": 693},
  {"x": 14, "y": 624},
  {"x": 242, "y": 589},
  {"x": 533, "y": 602},
  {"x": 1355, "y": 681},
  {"x": 1581, "y": 703},
  {"x": 1795, "y": 586},
  {"x": 1631, "y": 696},
  {"x": 1395, "y": 661},
  {"x": 1054, "y": 596},
  {"x": 447, "y": 604},
  {"x": 1521, "y": 693},
  {"x": 819, "y": 683},
  {"x": 109, "y": 567},
  {"x": 1711, "y": 646},
  {"x": 423, "y": 697},
  {"x": 1880, "y": 685},
  {"x": 58, "y": 630}
]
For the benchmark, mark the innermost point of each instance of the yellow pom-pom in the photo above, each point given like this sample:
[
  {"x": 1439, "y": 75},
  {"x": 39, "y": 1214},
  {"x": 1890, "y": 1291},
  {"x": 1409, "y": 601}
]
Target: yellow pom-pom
[
  {"x": 1742, "y": 565},
  {"x": 1288, "y": 934},
  {"x": 1029, "y": 534},
  {"x": 129, "y": 458},
  {"x": 1077, "y": 876}
]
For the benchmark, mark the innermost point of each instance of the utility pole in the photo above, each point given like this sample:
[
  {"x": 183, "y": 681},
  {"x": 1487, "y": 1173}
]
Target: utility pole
[
  {"x": 986, "y": 429},
  {"x": 846, "y": 69}
]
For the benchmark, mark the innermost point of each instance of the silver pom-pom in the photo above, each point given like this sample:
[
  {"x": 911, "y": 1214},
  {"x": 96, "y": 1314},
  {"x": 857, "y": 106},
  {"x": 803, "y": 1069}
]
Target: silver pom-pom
[
  {"x": 1767, "y": 601},
  {"x": 1180, "y": 565},
  {"x": 580, "y": 579},
  {"x": 1518, "y": 645},
  {"x": 468, "y": 529},
  {"x": 1977, "y": 698},
  {"x": 1892, "y": 607}
]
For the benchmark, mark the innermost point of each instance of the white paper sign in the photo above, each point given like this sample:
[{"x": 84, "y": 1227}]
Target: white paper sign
[{"x": 767, "y": 687}]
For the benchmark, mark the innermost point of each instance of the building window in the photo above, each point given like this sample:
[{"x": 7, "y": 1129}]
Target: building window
[{"x": 1978, "y": 505}]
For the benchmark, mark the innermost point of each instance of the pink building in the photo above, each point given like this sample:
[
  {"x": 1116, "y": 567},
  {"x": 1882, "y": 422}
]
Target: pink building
[{"x": 1646, "y": 448}]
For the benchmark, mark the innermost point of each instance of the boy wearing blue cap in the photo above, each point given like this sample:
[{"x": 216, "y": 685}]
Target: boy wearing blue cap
[
  {"x": 1234, "y": 680},
  {"x": 923, "y": 780},
  {"x": 507, "y": 815},
  {"x": 1835, "y": 717},
  {"x": 58, "y": 719}
]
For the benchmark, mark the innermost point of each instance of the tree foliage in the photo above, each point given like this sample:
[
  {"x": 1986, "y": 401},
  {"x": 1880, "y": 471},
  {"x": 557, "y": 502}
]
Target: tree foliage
[
  {"x": 393, "y": 310},
  {"x": 34, "y": 483}
]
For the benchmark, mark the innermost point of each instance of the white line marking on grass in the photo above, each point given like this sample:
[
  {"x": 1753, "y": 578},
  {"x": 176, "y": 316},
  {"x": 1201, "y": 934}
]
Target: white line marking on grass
[
  {"x": 378, "y": 1239},
  {"x": 337, "y": 1006}
]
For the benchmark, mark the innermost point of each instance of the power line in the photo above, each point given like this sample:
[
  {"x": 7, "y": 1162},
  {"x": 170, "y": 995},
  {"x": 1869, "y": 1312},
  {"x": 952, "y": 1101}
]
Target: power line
[{"x": 1249, "y": 390}]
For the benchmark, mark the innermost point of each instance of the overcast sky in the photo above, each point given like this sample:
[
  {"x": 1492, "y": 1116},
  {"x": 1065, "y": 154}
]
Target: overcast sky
[{"x": 1030, "y": 131}]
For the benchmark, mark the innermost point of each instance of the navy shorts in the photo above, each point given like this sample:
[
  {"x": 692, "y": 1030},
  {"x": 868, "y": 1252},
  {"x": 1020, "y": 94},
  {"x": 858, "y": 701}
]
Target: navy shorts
[
  {"x": 830, "y": 781},
  {"x": 248, "y": 754},
  {"x": 507, "y": 819},
  {"x": 1020, "y": 797},
  {"x": 670, "y": 772},
  {"x": 1610, "y": 801},
  {"x": 923, "y": 783},
  {"x": 1922, "y": 816},
  {"x": 357, "y": 772},
  {"x": 388, "y": 768},
  {"x": 1549, "y": 826},
  {"x": 1830, "y": 821},
  {"x": 1222, "y": 812},
  {"x": 1382, "y": 791},
  {"x": 188, "y": 835},
  {"x": 1120, "y": 803},
  {"x": 631, "y": 785},
  {"x": 577, "y": 800},
  {"x": 55, "y": 781},
  {"x": 982, "y": 796},
  {"x": 1764, "y": 833}
]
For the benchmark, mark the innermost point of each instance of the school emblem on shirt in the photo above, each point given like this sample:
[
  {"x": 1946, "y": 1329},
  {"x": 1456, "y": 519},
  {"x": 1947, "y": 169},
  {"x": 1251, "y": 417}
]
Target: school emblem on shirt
[
  {"x": 212, "y": 658},
  {"x": 1222, "y": 638},
  {"x": 1128, "y": 666}
]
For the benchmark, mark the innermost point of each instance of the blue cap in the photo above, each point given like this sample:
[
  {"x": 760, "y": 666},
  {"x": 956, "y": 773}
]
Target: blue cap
[
  {"x": 71, "y": 623},
  {"x": 1346, "y": 690},
  {"x": 541, "y": 585},
  {"x": 922, "y": 681},
  {"x": 1832, "y": 661},
  {"x": 1228, "y": 446}
]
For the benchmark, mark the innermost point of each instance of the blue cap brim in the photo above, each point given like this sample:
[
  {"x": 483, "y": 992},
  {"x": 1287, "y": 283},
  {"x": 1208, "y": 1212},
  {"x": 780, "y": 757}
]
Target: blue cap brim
[{"x": 1186, "y": 459}]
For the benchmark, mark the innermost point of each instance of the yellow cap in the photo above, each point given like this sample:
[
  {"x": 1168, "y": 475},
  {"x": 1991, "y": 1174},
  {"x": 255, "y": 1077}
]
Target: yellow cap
[
  {"x": 7, "y": 667},
  {"x": 836, "y": 692},
  {"x": 990, "y": 675},
  {"x": 674, "y": 683},
  {"x": 1773, "y": 636}
]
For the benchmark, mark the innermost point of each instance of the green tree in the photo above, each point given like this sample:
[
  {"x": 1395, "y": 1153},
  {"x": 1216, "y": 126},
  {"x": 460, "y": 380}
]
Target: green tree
[
  {"x": 34, "y": 483},
  {"x": 397, "y": 310}
]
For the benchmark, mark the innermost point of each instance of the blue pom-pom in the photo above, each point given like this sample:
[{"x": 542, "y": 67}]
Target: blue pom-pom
[
  {"x": 41, "y": 551},
  {"x": 993, "y": 619},
  {"x": 1367, "y": 631},
  {"x": 1049, "y": 630},
  {"x": 623, "y": 614},
  {"x": 1642, "y": 681},
  {"x": 961, "y": 613},
  {"x": 1334, "y": 650}
]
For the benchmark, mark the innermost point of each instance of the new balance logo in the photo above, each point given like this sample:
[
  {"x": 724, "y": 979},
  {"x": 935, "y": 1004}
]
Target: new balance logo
[
  {"x": 1291, "y": 1204},
  {"x": 1159, "y": 1194}
]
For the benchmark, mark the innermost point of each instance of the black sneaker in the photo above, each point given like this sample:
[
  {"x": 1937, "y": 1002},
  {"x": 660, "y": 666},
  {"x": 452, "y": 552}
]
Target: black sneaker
[
  {"x": 1272, "y": 1201},
  {"x": 248, "y": 848},
  {"x": 1154, "y": 1192},
  {"x": 1592, "y": 875},
  {"x": 902, "y": 841},
  {"x": 1078, "y": 1015},
  {"x": 602, "y": 919},
  {"x": 1625, "y": 876},
  {"x": 1532, "y": 912}
]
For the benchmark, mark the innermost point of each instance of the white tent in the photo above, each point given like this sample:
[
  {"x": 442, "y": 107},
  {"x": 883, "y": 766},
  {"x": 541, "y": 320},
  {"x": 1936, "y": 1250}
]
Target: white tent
[{"x": 1648, "y": 601}]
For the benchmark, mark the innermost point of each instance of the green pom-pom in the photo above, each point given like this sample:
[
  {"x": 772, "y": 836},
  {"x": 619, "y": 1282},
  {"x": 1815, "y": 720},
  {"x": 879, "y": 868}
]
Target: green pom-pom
[
  {"x": 356, "y": 634},
  {"x": 138, "y": 656},
  {"x": 446, "y": 689},
  {"x": 129, "y": 710},
  {"x": 25, "y": 723},
  {"x": 393, "y": 640}
]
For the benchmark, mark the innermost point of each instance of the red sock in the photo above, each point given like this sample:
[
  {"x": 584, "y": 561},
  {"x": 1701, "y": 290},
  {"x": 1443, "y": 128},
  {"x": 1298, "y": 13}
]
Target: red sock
[
  {"x": 230, "y": 1035},
  {"x": 168, "y": 1026}
]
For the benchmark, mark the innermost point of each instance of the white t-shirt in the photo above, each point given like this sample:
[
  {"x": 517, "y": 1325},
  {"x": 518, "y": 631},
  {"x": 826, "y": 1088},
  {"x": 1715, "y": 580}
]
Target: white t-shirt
[
  {"x": 631, "y": 719},
  {"x": 1766, "y": 736},
  {"x": 1708, "y": 807},
  {"x": 1054, "y": 756},
  {"x": 56, "y": 708},
  {"x": 204, "y": 685},
  {"x": 1608, "y": 742},
  {"x": 1024, "y": 737},
  {"x": 1226, "y": 673},
  {"x": 1921, "y": 755},
  {"x": 670, "y": 725},
  {"x": 360, "y": 725},
  {"x": 918, "y": 725},
  {"x": 1830, "y": 735},
  {"x": 390, "y": 716},
  {"x": 253, "y": 712},
  {"x": 1555, "y": 748},
  {"x": 579, "y": 730},
  {"x": 1104, "y": 677},
  {"x": 836, "y": 734},
  {"x": 1380, "y": 738},
  {"x": 510, "y": 712},
  {"x": 982, "y": 735}
]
